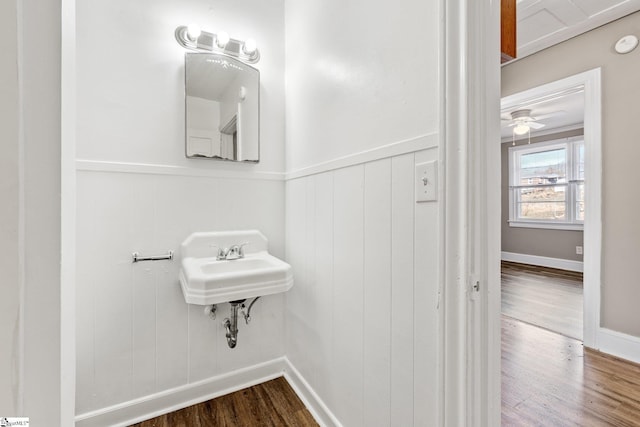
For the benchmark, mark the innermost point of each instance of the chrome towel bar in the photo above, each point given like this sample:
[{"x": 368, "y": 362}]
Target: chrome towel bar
[{"x": 137, "y": 257}]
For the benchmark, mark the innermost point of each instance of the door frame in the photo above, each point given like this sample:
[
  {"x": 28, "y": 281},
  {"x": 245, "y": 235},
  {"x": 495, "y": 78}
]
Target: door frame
[
  {"x": 471, "y": 332},
  {"x": 470, "y": 214}
]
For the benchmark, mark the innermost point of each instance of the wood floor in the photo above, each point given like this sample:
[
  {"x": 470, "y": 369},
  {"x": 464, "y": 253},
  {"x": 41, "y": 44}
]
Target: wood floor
[
  {"x": 546, "y": 297},
  {"x": 549, "y": 380},
  {"x": 269, "y": 404}
]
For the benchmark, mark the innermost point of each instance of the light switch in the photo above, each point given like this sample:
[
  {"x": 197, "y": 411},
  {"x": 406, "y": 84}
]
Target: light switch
[{"x": 426, "y": 182}]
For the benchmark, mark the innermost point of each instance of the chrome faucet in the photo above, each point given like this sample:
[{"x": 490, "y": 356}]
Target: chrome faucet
[{"x": 231, "y": 253}]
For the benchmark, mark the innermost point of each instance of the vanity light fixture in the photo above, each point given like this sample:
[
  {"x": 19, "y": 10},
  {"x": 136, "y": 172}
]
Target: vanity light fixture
[
  {"x": 192, "y": 38},
  {"x": 222, "y": 39},
  {"x": 249, "y": 46},
  {"x": 193, "y": 32}
]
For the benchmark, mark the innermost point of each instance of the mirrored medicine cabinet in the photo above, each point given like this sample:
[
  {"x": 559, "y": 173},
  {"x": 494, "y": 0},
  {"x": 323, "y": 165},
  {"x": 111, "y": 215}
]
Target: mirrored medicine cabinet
[{"x": 222, "y": 104}]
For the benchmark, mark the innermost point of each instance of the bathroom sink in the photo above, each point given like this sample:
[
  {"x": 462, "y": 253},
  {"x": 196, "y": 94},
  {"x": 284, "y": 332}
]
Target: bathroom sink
[{"x": 205, "y": 279}]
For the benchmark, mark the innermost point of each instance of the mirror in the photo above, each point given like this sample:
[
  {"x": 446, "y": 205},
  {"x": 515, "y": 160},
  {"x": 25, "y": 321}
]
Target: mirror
[{"x": 222, "y": 108}]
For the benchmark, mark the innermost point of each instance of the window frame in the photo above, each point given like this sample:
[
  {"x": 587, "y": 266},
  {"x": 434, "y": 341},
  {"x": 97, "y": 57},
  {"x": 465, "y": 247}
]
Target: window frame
[{"x": 570, "y": 222}]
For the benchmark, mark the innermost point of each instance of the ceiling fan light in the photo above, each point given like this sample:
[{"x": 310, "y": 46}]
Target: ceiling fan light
[{"x": 520, "y": 129}]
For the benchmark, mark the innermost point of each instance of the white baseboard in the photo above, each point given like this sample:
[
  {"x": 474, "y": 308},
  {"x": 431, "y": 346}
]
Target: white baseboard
[
  {"x": 311, "y": 400},
  {"x": 151, "y": 406},
  {"x": 543, "y": 261},
  {"x": 618, "y": 344}
]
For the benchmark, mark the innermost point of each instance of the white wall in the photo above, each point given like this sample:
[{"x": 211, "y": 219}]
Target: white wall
[
  {"x": 41, "y": 144},
  {"x": 32, "y": 372},
  {"x": 9, "y": 210},
  {"x": 136, "y": 336},
  {"x": 359, "y": 76},
  {"x": 362, "y": 317}
]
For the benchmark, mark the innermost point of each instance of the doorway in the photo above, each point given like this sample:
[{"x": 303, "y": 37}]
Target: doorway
[
  {"x": 543, "y": 210},
  {"x": 553, "y": 187},
  {"x": 588, "y": 85}
]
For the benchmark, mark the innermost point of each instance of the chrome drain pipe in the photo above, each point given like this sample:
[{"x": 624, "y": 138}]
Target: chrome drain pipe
[{"x": 231, "y": 324}]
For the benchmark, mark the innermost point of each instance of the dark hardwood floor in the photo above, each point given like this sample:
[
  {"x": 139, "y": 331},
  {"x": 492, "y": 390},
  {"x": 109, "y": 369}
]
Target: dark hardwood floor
[
  {"x": 545, "y": 297},
  {"x": 549, "y": 380},
  {"x": 270, "y": 404}
]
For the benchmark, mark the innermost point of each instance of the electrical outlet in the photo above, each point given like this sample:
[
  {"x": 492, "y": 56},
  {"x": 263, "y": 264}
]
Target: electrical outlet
[
  {"x": 426, "y": 182},
  {"x": 578, "y": 250}
]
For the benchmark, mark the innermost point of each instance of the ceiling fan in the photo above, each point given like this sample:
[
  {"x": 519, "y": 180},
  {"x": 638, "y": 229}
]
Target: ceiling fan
[{"x": 522, "y": 121}]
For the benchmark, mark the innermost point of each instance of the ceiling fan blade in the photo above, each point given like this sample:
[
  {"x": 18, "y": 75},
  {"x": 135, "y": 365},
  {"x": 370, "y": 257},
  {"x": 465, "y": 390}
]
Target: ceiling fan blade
[
  {"x": 535, "y": 125},
  {"x": 549, "y": 115}
]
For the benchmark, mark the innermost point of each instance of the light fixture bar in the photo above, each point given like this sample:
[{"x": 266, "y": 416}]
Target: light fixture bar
[{"x": 203, "y": 41}]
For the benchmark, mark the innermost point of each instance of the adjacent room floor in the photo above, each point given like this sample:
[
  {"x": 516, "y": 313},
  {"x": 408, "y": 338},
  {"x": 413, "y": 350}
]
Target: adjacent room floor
[
  {"x": 545, "y": 297},
  {"x": 548, "y": 378}
]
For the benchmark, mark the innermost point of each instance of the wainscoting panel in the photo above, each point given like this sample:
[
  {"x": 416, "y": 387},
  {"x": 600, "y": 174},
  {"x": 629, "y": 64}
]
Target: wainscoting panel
[
  {"x": 402, "y": 327},
  {"x": 377, "y": 293},
  {"x": 144, "y": 337},
  {"x": 136, "y": 336},
  {"x": 365, "y": 304},
  {"x": 348, "y": 307},
  {"x": 323, "y": 285}
]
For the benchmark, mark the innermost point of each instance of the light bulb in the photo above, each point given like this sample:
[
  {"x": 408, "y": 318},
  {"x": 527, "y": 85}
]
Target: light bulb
[
  {"x": 521, "y": 129},
  {"x": 193, "y": 32},
  {"x": 222, "y": 39},
  {"x": 249, "y": 46}
]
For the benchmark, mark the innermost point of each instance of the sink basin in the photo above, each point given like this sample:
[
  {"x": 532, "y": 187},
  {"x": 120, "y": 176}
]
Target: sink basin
[
  {"x": 206, "y": 280},
  {"x": 250, "y": 264}
]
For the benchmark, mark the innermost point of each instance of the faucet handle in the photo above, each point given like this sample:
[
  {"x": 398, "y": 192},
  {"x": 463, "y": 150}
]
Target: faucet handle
[
  {"x": 241, "y": 249},
  {"x": 220, "y": 253},
  {"x": 235, "y": 252}
]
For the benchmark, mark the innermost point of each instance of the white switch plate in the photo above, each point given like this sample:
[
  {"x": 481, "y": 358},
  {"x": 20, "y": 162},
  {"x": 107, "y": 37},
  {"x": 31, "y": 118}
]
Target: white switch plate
[
  {"x": 426, "y": 181},
  {"x": 578, "y": 250}
]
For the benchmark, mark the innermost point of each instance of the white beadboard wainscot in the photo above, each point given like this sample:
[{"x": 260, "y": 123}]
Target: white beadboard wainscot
[
  {"x": 365, "y": 303},
  {"x": 136, "y": 336}
]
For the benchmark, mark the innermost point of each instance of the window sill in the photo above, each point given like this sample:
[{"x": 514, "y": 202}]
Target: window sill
[{"x": 549, "y": 226}]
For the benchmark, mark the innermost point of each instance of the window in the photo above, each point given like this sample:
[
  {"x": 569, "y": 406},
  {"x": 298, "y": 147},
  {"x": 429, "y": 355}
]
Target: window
[{"x": 546, "y": 185}]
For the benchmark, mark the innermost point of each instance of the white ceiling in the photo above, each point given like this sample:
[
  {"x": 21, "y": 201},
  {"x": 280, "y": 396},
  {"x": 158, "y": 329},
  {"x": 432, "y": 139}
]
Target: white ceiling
[
  {"x": 543, "y": 23},
  {"x": 555, "y": 112}
]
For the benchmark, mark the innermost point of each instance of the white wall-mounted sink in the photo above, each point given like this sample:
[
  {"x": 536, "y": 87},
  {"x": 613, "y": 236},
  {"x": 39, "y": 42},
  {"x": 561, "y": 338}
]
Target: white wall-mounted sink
[{"x": 206, "y": 280}]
